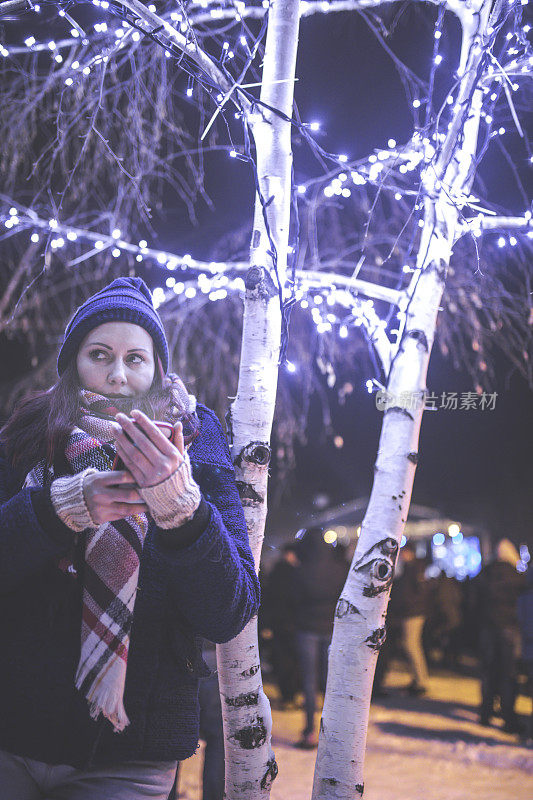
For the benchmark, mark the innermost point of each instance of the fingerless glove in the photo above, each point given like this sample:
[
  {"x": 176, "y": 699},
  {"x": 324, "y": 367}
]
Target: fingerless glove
[
  {"x": 173, "y": 501},
  {"x": 69, "y": 501}
]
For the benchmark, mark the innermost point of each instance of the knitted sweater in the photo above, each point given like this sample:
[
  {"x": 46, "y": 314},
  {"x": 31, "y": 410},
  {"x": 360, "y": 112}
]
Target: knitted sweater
[{"x": 195, "y": 581}]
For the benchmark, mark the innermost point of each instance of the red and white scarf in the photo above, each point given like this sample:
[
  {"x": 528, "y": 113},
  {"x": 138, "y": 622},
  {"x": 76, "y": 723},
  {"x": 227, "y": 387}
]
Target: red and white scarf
[{"x": 112, "y": 558}]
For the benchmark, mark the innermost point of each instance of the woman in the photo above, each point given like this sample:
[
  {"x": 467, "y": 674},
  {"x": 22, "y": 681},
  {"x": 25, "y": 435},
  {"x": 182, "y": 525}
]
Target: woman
[{"x": 90, "y": 554}]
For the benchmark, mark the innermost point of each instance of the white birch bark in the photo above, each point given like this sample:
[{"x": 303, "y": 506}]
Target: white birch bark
[
  {"x": 359, "y": 628},
  {"x": 250, "y": 762}
]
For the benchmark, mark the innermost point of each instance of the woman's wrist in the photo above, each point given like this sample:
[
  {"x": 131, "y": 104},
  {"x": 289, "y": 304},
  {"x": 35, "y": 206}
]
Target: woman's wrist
[
  {"x": 175, "y": 500},
  {"x": 69, "y": 503}
]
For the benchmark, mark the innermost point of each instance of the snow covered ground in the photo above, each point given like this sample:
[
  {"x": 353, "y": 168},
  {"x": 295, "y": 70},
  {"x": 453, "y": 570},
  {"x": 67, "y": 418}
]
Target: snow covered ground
[{"x": 427, "y": 748}]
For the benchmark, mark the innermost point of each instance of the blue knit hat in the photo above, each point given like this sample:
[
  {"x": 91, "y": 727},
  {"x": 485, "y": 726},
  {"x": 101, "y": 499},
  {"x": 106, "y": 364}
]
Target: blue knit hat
[{"x": 124, "y": 300}]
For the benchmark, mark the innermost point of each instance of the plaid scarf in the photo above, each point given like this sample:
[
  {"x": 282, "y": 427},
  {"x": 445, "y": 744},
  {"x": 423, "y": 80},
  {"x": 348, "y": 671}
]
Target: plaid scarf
[{"x": 112, "y": 558}]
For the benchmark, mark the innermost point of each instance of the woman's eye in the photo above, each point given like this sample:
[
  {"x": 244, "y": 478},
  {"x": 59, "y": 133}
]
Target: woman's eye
[
  {"x": 98, "y": 355},
  {"x": 135, "y": 358}
]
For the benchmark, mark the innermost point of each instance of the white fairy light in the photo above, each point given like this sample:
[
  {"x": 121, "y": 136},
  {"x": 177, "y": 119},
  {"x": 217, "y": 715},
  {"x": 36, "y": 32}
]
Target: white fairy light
[{"x": 158, "y": 296}]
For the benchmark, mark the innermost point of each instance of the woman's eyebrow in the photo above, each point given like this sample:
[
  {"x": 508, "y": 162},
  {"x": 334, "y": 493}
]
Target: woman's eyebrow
[{"x": 108, "y": 347}]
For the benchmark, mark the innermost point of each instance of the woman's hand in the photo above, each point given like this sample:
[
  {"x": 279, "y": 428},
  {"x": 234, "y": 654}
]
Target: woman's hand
[
  {"x": 107, "y": 500},
  {"x": 147, "y": 453}
]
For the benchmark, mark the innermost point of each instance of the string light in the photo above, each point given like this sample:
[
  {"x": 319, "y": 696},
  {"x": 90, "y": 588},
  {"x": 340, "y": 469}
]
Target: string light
[{"x": 394, "y": 170}]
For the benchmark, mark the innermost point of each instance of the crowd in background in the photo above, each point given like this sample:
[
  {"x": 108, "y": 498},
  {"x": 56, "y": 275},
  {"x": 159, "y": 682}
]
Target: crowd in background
[
  {"x": 483, "y": 625},
  {"x": 486, "y": 622}
]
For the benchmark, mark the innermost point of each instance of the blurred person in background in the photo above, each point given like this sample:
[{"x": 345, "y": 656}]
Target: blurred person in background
[
  {"x": 498, "y": 588},
  {"x": 211, "y": 732},
  {"x": 278, "y": 624},
  {"x": 389, "y": 648},
  {"x": 525, "y": 619},
  {"x": 444, "y": 619},
  {"x": 411, "y": 601},
  {"x": 319, "y": 581}
]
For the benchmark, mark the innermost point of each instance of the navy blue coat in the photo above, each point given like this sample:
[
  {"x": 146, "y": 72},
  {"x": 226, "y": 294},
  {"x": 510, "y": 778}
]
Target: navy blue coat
[{"x": 195, "y": 581}]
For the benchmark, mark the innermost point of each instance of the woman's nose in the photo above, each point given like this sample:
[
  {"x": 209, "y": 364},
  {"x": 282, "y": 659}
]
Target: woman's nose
[{"x": 117, "y": 373}]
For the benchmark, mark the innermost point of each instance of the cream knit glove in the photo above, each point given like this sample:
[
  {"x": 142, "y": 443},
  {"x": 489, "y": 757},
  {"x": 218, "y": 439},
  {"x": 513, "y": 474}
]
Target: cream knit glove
[
  {"x": 69, "y": 501},
  {"x": 173, "y": 501}
]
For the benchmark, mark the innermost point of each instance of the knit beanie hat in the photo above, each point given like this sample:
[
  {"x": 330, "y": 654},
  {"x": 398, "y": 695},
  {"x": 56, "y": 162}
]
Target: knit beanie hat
[{"x": 124, "y": 300}]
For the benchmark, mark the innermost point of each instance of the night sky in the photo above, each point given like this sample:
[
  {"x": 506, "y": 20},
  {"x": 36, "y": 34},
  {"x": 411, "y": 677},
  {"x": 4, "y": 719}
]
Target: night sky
[{"x": 474, "y": 466}]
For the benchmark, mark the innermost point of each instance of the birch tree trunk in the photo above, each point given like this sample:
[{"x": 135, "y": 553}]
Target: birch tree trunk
[
  {"x": 359, "y": 628},
  {"x": 250, "y": 762}
]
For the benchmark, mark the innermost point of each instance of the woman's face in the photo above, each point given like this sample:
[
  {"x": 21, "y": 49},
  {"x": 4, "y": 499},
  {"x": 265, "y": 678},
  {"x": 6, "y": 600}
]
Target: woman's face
[{"x": 116, "y": 359}]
